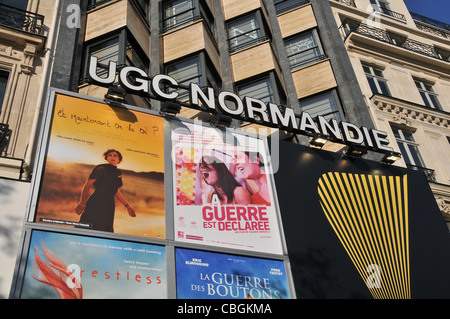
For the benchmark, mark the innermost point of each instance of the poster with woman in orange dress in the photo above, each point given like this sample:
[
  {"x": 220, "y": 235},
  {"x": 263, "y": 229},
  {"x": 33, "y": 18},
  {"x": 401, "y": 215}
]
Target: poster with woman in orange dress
[{"x": 103, "y": 170}]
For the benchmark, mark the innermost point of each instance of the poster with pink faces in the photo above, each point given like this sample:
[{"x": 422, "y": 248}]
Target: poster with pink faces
[{"x": 223, "y": 190}]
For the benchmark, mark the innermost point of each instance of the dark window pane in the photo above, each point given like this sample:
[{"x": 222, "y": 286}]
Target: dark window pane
[
  {"x": 372, "y": 85},
  {"x": 404, "y": 154},
  {"x": 19, "y": 4},
  {"x": 3, "y": 82},
  {"x": 435, "y": 102},
  {"x": 424, "y": 98},
  {"x": 383, "y": 87},
  {"x": 415, "y": 155}
]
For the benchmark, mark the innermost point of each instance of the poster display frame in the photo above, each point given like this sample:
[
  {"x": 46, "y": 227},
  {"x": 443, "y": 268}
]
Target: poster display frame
[{"x": 169, "y": 242}]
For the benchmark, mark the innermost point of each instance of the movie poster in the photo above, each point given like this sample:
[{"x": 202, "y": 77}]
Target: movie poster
[
  {"x": 223, "y": 190},
  {"x": 63, "y": 266},
  {"x": 104, "y": 169},
  {"x": 206, "y": 275}
]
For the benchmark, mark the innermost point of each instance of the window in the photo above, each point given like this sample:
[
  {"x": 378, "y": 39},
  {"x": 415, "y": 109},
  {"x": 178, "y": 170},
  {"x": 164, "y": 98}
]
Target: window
[
  {"x": 396, "y": 39},
  {"x": 143, "y": 8},
  {"x": 304, "y": 49},
  {"x": 383, "y": 7},
  {"x": 195, "y": 69},
  {"x": 106, "y": 51},
  {"x": 376, "y": 80},
  {"x": 246, "y": 31},
  {"x": 429, "y": 97},
  {"x": 260, "y": 89},
  {"x": 18, "y": 4},
  {"x": 177, "y": 13},
  {"x": 265, "y": 88},
  {"x": 324, "y": 104},
  {"x": 3, "y": 83},
  {"x": 380, "y": 5},
  {"x": 185, "y": 72},
  {"x": 408, "y": 147},
  {"x": 120, "y": 48},
  {"x": 285, "y": 5}
]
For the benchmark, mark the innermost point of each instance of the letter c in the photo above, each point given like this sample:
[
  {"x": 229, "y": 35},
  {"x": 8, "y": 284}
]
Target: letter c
[{"x": 156, "y": 90}]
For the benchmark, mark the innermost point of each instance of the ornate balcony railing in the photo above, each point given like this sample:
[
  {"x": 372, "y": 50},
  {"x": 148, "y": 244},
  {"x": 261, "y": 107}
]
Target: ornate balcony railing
[
  {"x": 429, "y": 173},
  {"x": 349, "y": 26},
  {"x": 429, "y": 21},
  {"x": 21, "y": 20},
  {"x": 431, "y": 26},
  {"x": 390, "y": 13}
]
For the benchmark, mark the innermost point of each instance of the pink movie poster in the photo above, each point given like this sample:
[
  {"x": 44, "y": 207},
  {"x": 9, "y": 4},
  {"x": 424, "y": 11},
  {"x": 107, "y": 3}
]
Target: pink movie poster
[{"x": 223, "y": 190}]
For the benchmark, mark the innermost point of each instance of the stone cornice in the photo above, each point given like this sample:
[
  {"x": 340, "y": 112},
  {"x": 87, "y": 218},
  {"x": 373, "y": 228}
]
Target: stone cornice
[{"x": 404, "y": 111}]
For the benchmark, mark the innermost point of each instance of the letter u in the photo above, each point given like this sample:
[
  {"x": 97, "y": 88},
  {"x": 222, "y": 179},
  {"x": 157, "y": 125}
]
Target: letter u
[{"x": 93, "y": 71}]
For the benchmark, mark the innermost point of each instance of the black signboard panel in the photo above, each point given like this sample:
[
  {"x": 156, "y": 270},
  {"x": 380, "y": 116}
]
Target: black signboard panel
[{"x": 396, "y": 245}]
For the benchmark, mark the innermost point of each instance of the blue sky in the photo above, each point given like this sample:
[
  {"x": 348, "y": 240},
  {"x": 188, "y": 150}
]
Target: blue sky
[{"x": 435, "y": 9}]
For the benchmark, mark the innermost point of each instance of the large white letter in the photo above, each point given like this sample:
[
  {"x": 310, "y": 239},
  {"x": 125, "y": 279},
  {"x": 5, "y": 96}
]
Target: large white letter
[
  {"x": 330, "y": 128},
  {"x": 239, "y": 105},
  {"x": 307, "y": 123},
  {"x": 357, "y": 137},
  {"x": 196, "y": 95},
  {"x": 93, "y": 71},
  {"x": 287, "y": 121},
  {"x": 156, "y": 90},
  {"x": 123, "y": 79},
  {"x": 253, "y": 105},
  {"x": 380, "y": 139}
]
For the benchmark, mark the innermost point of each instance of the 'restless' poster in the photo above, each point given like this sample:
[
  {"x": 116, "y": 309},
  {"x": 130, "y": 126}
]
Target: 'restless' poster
[{"x": 64, "y": 266}]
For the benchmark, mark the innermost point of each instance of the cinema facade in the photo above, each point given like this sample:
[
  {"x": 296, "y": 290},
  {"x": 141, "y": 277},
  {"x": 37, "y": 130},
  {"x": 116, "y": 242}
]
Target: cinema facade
[
  {"x": 192, "y": 211},
  {"x": 204, "y": 160}
]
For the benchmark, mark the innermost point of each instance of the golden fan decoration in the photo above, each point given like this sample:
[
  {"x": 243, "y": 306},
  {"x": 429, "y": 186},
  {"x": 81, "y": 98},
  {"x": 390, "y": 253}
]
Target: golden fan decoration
[{"x": 369, "y": 214}]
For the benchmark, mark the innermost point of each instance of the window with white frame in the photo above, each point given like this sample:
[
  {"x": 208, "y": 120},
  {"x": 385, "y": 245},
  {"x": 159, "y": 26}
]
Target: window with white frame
[
  {"x": 380, "y": 5},
  {"x": 408, "y": 147},
  {"x": 325, "y": 104},
  {"x": 304, "y": 49},
  {"x": 377, "y": 81},
  {"x": 429, "y": 97}
]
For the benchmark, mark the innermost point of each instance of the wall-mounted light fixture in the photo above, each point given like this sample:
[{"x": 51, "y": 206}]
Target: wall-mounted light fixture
[
  {"x": 170, "y": 107},
  {"x": 356, "y": 151},
  {"x": 391, "y": 157},
  {"x": 221, "y": 121},
  {"x": 318, "y": 140},
  {"x": 115, "y": 93}
]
